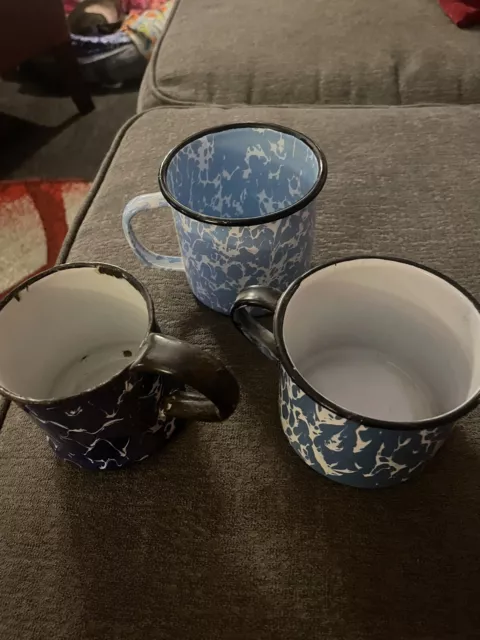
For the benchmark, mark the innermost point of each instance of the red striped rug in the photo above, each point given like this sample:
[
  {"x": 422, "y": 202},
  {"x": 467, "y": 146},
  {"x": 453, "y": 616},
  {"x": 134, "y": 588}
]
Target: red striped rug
[{"x": 34, "y": 219}]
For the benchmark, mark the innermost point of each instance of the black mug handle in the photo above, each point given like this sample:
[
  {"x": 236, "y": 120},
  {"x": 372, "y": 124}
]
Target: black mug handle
[
  {"x": 216, "y": 391},
  {"x": 256, "y": 297}
]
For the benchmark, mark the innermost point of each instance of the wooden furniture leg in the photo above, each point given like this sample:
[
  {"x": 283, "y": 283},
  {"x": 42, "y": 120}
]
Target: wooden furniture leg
[
  {"x": 32, "y": 27},
  {"x": 72, "y": 77}
]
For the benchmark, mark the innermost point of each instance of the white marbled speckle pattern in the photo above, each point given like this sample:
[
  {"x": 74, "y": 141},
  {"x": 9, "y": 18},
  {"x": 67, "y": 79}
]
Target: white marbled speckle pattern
[
  {"x": 347, "y": 451},
  {"x": 110, "y": 427},
  {"x": 237, "y": 174}
]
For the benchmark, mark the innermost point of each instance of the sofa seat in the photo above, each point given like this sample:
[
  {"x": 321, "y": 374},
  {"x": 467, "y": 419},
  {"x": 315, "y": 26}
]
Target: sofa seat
[
  {"x": 312, "y": 52},
  {"x": 227, "y": 534}
]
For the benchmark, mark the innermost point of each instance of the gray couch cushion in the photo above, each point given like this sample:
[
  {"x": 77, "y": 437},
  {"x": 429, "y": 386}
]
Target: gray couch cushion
[
  {"x": 227, "y": 534},
  {"x": 305, "y": 52}
]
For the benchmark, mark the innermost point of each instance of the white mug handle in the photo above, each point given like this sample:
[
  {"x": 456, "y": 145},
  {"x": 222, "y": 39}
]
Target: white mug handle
[{"x": 147, "y": 202}]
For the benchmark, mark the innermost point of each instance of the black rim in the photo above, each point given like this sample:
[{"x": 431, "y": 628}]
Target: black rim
[
  {"x": 429, "y": 423},
  {"x": 108, "y": 269},
  {"x": 244, "y": 222}
]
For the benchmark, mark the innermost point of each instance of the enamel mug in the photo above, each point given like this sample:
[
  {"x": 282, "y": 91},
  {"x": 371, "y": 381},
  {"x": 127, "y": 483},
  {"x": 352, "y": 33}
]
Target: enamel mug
[
  {"x": 81, "y": 353},
  {"x": 242, "y": 198},
  {"x": 379, "y": 357}
]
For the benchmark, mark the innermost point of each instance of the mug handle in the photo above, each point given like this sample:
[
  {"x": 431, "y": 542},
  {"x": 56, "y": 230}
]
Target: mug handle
[
  {"x": 147, "y": 202},
  {"x": 256, "y": 297},
  {"x": 216, "y": 391}
]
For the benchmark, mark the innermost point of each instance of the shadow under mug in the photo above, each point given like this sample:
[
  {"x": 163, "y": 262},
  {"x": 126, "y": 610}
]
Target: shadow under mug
[
  {"x": 242, "y": 199},
  {"x": 379, "y": 357},
  {"x": 81, "y": 353}
]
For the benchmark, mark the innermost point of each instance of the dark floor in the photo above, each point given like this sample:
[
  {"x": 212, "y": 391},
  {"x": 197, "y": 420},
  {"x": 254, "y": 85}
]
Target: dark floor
[{"x": 44, "y": 137}]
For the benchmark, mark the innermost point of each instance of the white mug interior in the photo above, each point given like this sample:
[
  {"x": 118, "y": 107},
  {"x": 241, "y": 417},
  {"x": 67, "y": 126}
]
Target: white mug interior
[
  {"x": 384, "y": 339},
  {"x": 70, "y": 331}
]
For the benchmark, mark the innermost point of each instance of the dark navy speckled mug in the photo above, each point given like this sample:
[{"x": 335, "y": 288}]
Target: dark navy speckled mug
[
  {"x": 81, "y": 353},
  {"x": 379, "y": 358},
  {"x": 242, "y": 198}
]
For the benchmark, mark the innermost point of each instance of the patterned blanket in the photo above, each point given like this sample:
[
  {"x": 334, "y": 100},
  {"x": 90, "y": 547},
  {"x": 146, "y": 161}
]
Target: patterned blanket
[
  {"x": 128, "y": 6},
  {"x": 140, "y": 27},
  {"x": 145, "y": 28}
]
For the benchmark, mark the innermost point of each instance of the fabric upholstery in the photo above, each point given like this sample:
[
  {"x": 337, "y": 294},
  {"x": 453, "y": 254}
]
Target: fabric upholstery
[
  {"x": 275, "y": 52},
  {"x": 227, "y": 534}
]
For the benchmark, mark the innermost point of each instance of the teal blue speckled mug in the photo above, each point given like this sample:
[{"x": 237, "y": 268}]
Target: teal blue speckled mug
[{"x": 379, "y": 358}]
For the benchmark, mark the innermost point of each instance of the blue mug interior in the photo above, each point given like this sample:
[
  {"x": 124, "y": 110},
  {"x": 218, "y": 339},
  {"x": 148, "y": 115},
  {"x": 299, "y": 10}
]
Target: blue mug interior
[{"x": 242, "y": 172}]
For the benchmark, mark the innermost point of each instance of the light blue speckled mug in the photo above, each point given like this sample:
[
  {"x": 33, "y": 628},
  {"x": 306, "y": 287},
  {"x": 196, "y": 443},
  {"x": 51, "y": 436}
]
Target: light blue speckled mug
[{"x": 242, "y": 198}]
